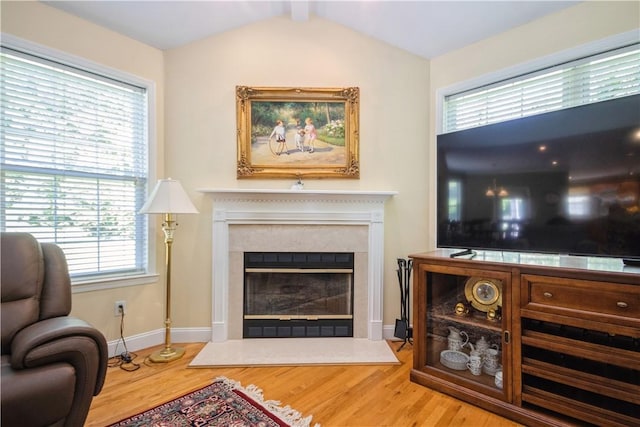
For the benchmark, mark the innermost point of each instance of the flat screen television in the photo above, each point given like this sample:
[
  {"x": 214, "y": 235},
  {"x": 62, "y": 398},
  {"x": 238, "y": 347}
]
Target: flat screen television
[{"x": 563, "y": 182}]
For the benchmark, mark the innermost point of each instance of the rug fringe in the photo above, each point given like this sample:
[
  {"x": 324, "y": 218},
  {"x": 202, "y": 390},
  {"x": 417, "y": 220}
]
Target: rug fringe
[{"x": 285, "y": 413}]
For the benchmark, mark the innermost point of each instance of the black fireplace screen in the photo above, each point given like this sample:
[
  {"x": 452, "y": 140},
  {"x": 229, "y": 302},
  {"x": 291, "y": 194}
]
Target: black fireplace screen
[
  {"x": 297, "y": 293},
  {"x": 304, "y": 292}
]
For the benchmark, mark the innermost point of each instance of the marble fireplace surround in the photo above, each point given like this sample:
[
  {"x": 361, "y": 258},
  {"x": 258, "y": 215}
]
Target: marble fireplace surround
[{"x": 296, "y": 221}]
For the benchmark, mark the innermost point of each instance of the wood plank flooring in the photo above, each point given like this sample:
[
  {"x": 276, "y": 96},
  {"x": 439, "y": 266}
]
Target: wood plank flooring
[{"x": 345, "y": 395}]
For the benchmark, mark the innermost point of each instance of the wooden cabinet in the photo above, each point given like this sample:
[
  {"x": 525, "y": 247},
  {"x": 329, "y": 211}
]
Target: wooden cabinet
[{"x": 568, "y": 339}]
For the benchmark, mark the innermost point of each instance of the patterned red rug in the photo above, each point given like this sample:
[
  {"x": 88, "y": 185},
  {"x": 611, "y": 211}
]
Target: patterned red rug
[{"x": 223, "y": 403}]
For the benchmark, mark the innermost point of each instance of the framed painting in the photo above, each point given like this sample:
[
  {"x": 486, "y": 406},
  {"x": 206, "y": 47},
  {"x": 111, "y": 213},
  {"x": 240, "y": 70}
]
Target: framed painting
[{"x": 298, "y": 132}]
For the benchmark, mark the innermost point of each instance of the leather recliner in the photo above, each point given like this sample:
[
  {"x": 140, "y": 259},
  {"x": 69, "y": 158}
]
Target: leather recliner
[{"x": 52, "y": 364}]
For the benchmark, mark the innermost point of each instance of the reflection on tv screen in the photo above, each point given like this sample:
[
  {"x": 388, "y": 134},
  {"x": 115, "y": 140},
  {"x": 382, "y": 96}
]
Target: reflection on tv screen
[{"x": 559, "y": 182}]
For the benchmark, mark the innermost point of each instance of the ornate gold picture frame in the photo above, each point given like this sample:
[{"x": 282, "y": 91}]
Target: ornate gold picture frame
[{"x": 298, "y": 132}]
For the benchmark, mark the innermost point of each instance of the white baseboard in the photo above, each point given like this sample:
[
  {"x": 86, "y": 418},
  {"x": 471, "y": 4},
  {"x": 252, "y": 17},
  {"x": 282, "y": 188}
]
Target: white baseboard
[
  {"x": 387, "y": 332},
  {"x": 181, "y": 335},
  {"x": 156, "y": 337}
]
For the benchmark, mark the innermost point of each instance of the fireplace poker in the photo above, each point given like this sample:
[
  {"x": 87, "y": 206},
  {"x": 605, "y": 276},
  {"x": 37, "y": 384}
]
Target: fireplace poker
[{"x": 403, "y": 330}]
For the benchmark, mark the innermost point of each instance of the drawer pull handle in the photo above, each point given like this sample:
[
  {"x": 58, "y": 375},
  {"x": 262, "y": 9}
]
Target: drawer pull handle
[
  {"x": 622, "y": 304},
  {"x": 547, "y": 294}
]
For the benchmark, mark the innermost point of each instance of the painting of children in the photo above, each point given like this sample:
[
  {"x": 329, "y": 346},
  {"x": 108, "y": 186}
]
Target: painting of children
[{"x": 316, "y": 128}]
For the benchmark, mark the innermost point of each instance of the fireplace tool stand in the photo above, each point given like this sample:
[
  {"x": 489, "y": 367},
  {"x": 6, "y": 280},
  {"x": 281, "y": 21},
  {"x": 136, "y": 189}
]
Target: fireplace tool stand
[{"x": 403, "y": 330}]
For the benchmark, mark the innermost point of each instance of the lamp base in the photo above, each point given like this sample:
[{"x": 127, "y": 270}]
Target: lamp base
[{"x": 167, "y": 354}]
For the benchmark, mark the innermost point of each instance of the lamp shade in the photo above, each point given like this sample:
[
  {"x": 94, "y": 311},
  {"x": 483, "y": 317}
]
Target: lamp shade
[{"x": 168, "y": 197}]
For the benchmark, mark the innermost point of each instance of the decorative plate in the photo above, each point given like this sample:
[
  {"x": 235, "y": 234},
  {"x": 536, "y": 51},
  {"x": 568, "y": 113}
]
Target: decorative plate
[
  {"x": 454, "y": 359},
  {"x": 484, "y": 294}
]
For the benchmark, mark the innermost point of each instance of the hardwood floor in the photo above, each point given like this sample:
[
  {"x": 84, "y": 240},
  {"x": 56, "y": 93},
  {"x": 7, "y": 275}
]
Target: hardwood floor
[{"x": 345, "y": 395}]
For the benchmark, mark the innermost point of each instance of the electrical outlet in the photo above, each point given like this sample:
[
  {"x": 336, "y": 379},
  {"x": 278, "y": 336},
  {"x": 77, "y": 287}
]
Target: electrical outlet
[{"x": 119, "y": 307}]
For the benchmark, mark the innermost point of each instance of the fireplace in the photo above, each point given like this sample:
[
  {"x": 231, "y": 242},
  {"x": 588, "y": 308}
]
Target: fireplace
[
  {"x": 311, "y": 221},
  {"x": 298, "y": 294}
]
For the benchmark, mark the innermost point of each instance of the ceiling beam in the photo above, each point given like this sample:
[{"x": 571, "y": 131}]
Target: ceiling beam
[{"x": 300, "y": 10}]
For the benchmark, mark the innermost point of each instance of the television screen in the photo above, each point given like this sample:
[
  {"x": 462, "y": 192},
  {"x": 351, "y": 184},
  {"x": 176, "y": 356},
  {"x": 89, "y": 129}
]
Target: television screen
[{"x": 565, "y": 182}]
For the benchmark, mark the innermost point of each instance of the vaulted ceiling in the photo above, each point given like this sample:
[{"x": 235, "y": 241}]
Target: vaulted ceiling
[{"x": 424, "y": 28}]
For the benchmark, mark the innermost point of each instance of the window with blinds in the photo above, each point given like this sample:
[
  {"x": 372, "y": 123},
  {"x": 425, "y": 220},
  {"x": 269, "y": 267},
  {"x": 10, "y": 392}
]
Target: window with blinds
[
  {"x": 588, "y": 80},
  {"x": 73, "y": 155}
]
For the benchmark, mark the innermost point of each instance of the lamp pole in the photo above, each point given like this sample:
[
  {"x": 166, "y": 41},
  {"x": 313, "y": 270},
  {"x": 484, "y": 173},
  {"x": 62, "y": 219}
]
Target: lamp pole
[{"x": 168, "y": 353}]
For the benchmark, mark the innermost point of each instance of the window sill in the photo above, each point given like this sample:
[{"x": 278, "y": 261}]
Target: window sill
[{"x": 112, "y": 283}]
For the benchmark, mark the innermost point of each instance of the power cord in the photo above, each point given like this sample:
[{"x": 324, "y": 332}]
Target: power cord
[{"x": 124, "y": 360}]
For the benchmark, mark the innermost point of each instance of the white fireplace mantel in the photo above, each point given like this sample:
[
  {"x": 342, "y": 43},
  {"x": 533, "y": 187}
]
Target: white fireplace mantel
[{"x": 307, "y": 207}]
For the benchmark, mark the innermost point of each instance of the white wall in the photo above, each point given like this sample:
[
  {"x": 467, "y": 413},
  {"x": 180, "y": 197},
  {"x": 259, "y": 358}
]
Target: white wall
[{"x": 196, "y": 118}]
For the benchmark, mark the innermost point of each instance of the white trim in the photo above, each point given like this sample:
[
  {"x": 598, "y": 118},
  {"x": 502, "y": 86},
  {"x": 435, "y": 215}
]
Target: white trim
[
  {"x": 112, "y": 283},
  {"x": 156, "y": 337},
  {"x": 56, "y": 55},
  {"x": 388, "y": 333},
  {"x": 136, "y": 342}
]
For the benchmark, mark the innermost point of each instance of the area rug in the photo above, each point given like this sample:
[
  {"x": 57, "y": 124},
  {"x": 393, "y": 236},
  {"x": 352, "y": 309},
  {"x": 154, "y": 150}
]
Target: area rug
[
  {"x": 223, "y": 403},
  {"x": 294, "y": 352}
]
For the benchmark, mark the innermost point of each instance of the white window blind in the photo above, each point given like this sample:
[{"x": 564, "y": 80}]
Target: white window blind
[
  {"x": 73, "y": 155},
  {"x": 588, "y": 80}
]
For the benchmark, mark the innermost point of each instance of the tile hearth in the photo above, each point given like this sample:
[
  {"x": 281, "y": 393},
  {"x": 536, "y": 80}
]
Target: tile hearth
[{"x": 294, "y": 352}]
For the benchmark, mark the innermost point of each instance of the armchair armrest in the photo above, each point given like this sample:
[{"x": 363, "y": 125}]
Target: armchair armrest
[{"x": 62, "y": 339}]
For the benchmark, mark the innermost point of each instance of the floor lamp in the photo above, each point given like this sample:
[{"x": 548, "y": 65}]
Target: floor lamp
[{"x": 168, "y": 198}]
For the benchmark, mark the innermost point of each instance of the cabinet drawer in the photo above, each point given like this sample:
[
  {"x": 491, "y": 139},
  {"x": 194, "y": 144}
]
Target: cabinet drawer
[{"x": 582, "y": 296}]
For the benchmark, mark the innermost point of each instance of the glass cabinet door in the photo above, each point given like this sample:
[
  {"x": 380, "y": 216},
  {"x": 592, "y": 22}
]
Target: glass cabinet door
[{"x": 465, "y": 328}]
